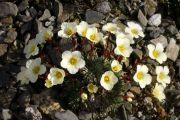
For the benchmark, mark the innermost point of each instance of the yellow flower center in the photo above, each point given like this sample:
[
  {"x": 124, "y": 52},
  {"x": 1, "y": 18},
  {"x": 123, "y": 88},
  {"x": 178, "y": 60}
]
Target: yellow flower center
[
  {"x": 140, "y": 75},
  {"x": 48, "y": 83},
  {"x": 115, "y": 68},
  {"x": 33, "y": 48},
  {"x": 69, "y": 31},
  {"x": 91, "y": 87},
  {"x": 155, "y": 53},
  {"x": 161, "y": 75},
  {"x": 122, "y": 48},
  {"x": 106, "y": 79},
  {"x": 84, "y": 96},
  {"x": 36, "y": 69},
  {"x": 83, "y": 33},
  {"x": 134, "y": 31},
  {"x": 73, "y": 61},
  {"x": 46, "y": 35},
  {"x": 93, "y": 37},
  {"x": 58, "y": 74}
]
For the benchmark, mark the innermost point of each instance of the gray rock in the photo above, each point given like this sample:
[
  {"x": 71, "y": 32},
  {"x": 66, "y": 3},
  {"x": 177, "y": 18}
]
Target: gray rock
[
  {"x": 138, "y": 53},
  {"x": 103, "y": 7},
  {"x": 172, "y": 50},
  {"x": 131, "y": 117},
  {"x": 155, "y": 31},
  {"x": 45, "y": 15},
  {"x": 172, "y": 30},
  {"x": 23, "y": 5},
  {"x": 7, "y": 95},
  {"x": 8, "y": 9},
  {"x": 33, "y": 113},
  {"x": 178, "y": 62},
  {"x": 58, "y": 10},
  {"x": 68, "y": 12},
  {"x": 11, "y": 36},
  {"x": 4, "y": 77},
  {"x": 136, "y": 90},
  {"x": 178, "y": 36},
  {"x": 24, "y": 99},
  {"x": 66, "y": 115},
  {"x": 2, "y": 35},
  {"x": 27, "y": 37},
  {"x": 94, "y": 16},
  {"x": 108, "y": 118},
  {"x": 150, "y": 7},
  {"x": 38, "y": 26},
  {"x": 85, "y": 116},
  {"x": 26, "y": 27},
  {"x": 66, "y": 44},
  {"x": 24, "y": 18},
  {"x": 33, "y": 12},
  {"x": 3, "y": 49},
  {"x": 142, "y": 18},
  {"x": 155, "y": 20},
  {"x": 161, "y": 39},
  {"x": 53, "y": 55},
  {"x": 7, "y": 20},
  {"x": 6, "y": 115}
]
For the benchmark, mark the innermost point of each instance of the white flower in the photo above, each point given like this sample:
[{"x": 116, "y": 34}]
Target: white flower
[
  {"x": 67, "y": 29},
  {"x": 108, "y": 80},
  {"x": 141, "y": 76},
  {"x": 84, "y": 96},
  {"x": 82, "y": 28},
  {"x": 155, "y": 20},
  {"x": 44, "y": 35},
  {"x": 115, "y": 66},
  {"x": 56, "y": 76},
  {"x": 93, "y": 35},
  {"x": 162, "y": 75},
  {"x": 24, "y": 76},
  {"x": 48, "y": 83},
  {"x": 157, "y": 52},
  {"x": 35, "y": 68},
  {"x": 121, "y": 35},
  {"x": 72, "y": 61},
  {"x": 134, "y": 29},
  {"x": 92, "y": 88},
  {"x": 31, "y": 49},
  {"x": 123, "y": 48},
  {"x": 158, "y": 92},
  {"x": 110, "y": 27}
]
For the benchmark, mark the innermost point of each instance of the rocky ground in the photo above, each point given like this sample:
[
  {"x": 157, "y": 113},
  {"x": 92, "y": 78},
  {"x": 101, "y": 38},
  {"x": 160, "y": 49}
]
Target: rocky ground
[{"x": 20, "y": 20}]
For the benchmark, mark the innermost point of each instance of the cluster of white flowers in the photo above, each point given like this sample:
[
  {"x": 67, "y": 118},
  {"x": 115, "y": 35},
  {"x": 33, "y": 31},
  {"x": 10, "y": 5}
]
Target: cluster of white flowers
[
  {"x": 30, "y": 73},
  {"x": 31, "y": 49},
  {"x": 73, "y": 61},
  {"x": 125, "y": 39},
  {"x": 55, "y": 77},
  {"x": 83, "y": 29},
  {"x": 34, "y": 68},
  {"x": 163, "y": 79},
  {"x": 143, "y": 78}
]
